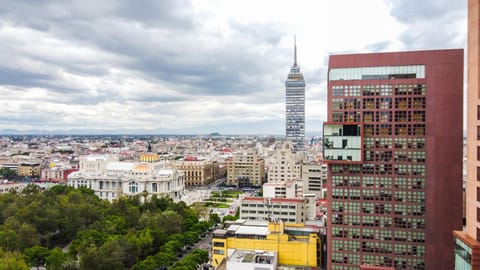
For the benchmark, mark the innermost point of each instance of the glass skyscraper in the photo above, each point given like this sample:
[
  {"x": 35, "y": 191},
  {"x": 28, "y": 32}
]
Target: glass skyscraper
[{"x": 295, "y": 106}]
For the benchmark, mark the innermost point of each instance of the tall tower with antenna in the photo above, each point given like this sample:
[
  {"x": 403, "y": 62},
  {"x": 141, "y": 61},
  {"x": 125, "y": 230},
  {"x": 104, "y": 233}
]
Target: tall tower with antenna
[{"x": 295, "y": 105}]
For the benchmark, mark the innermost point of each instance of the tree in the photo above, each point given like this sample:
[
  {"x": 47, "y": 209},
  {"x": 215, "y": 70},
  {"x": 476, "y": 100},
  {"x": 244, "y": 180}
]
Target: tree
[
  {"x": 229, "y": 218},
  {"x": 112, "y": 255},
  {"x": 8, "y": 239},
  {"x": 12, "y": 261},
  {"x": 203, "y": 255},
  {"x": 28, "y": 236},
  {"x": 173, "y": 246},
  {"x": 36, "y": 256},
  {"x": 56, "y": 259},
  {"x": 214, "y": 218},
  {"x": 88, "y": 258},
  {"x": 171, "y": 222},
  {"x": 144, "y": 240},
  {"x": 7, "y": 173},
  {"x": 200, "y": 210},
  {"x": 191, "y": 238},
  {"x": 165, "y": 258},
  {"x": 148, "y": 264},
  {"x": 126, "y": 208},
  {"x": 111, "y": 225},
  {"x": 31, "y": 189},
  {"x": 87, "y": 239}
]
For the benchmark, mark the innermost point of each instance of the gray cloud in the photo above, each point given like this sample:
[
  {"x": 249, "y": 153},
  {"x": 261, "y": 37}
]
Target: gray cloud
[
  {"x": 431, "y": 24},
  {"x": 22, "y": 78},
  {"x": 129, "y": 64}
]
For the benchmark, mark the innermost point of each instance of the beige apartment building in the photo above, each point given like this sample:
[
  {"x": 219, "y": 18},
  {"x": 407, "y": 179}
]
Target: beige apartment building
[
  {"x": 29, "y": 169},
  {"x": 285, "y": 164},
  {"x": 245, "y": 170}
]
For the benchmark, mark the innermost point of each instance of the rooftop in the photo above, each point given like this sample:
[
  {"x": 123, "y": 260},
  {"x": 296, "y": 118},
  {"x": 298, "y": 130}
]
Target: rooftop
[{"x": 253, "y": 256}]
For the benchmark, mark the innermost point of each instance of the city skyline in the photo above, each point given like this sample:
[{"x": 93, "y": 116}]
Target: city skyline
[{"x": 193, "y": 66}]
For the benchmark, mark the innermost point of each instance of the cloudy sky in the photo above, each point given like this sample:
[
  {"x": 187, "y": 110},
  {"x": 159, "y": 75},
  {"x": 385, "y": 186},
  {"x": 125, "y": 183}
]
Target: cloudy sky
[{"x": 193, "y": 66}]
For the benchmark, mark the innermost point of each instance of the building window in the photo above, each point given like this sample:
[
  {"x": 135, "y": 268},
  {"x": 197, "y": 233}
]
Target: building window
[
  {"x": 218, "y": 244},
  {"x": 478, "y": 214},
  {"x": 478, "y": 112},
  {"x": 133, "y": 187},
  {"x": 154, "y": 187},
  {"x": 217, "y": 251}
]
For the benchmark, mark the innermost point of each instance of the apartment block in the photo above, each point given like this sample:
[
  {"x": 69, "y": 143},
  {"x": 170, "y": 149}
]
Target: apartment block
[{"x": 245, "y": 170}]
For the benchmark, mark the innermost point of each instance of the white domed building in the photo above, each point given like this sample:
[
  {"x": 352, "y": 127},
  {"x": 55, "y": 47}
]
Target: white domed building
[{"x": 111, "y": 179}]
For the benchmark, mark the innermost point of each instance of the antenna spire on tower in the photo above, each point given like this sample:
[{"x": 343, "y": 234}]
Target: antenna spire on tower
[{"x": 295, "y": 50}]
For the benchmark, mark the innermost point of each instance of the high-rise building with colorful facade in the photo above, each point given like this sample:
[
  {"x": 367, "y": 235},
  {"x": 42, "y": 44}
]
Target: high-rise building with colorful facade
[
  {"x": 393, "y": 143},
  {"x": 295, "y": 106},
  {"x": 467, "y": 242}
]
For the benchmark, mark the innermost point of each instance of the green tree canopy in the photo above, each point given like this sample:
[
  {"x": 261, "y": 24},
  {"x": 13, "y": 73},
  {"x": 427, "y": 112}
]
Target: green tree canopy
[{"x": 36, "y": 256}]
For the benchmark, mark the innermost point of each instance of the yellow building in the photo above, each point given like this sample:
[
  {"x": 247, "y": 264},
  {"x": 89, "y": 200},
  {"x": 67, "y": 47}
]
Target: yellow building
[
  {"x": 149, "y": 157},
  {"x": 29, "y": 169},
  {"x": 295, "y": 244}
]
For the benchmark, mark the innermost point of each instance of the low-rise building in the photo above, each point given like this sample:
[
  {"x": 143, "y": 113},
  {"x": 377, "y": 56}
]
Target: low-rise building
[
  {"x": 314, "y": 177},
  {"x": 6, "y": 187},
  {"x": 197, "y": 172},
  {"x": 241, "y": 259},
  {"x": 286, "y": 210},
  {"x": 295, "y": 244},
  {"x": 289, "y": 189}
]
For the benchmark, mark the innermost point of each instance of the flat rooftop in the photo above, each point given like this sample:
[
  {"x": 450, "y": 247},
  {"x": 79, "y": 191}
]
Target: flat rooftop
[{"x": 252, "y": 256}]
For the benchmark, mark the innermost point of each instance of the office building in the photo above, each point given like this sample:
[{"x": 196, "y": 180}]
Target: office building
[
  {"x": 393, "y": 143},
  {"x": 467, "y": 242},
  {"x": 295, "y": 106}
]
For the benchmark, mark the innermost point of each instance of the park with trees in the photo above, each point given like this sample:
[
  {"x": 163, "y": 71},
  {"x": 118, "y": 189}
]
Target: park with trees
[{"x": 66, "y": 228}]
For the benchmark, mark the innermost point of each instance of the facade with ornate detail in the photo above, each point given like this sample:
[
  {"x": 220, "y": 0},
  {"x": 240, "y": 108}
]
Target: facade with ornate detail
[
  {"x": 295, "y": 106},
  {"x": 197, "y": 172},
  {"x": 111, "y": 179}
]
